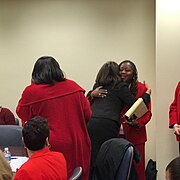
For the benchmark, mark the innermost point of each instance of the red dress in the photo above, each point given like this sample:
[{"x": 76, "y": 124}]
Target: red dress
[
  {"x": 43, "y": 165},
  {"x": 67, "y": 111},
  {"x": 174, "y": 110},
  {"x": 138, "y": 136}
]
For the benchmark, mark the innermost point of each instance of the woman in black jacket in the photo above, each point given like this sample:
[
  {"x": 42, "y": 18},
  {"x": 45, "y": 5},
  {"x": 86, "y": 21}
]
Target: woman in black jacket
[{"x": 104, "y": 123}]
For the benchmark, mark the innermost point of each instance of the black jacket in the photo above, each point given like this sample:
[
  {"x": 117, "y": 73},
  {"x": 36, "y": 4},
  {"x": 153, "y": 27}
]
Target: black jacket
[{"x": 110, "y": 157}]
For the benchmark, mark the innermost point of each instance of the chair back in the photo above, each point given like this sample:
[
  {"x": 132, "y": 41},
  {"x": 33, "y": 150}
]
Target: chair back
[
  {"x": 124, "y": 169},
  {"x": 114, "y": 160},
  {"x": 77, "y": 174},
  {"x": 11, "y": 136}
]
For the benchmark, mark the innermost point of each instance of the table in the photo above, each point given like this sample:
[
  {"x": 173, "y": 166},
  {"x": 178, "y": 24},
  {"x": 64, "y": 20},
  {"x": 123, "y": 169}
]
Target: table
[
  {"x": 17, "y": 161},
  {"x": 16, "y": 150}
]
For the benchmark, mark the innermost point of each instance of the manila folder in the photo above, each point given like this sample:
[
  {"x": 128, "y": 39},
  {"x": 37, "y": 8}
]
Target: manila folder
[{"x": 137, "y": 110}]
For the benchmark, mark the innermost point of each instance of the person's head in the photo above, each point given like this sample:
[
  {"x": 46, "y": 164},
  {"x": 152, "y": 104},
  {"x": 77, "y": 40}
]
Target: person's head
[
  {"x": 47, "y": 71},
  {"x": 36, "y": 133},
  {"x": 128, "y": 73},
  {"x": 172, "y": 169},
  {"x": 108, "y": 74},
  {"x": 5, "y": 169}
]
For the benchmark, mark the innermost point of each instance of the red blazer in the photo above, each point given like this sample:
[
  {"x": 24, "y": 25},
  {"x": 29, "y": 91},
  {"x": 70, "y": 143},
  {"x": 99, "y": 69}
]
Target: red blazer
[
  {"x": 133, "y": 134},
  {"x": 174, "y": 110},
  {"x": 67, "y": 111},
  {"x": 43, "y": 165}
]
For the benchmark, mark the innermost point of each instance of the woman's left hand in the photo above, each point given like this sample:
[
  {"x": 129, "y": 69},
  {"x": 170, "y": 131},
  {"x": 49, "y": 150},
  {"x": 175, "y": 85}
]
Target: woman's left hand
[{"x": 133, "y": 123}]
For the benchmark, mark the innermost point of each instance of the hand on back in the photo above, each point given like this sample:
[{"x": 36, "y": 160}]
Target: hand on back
[{"x": 99, "y": 92}]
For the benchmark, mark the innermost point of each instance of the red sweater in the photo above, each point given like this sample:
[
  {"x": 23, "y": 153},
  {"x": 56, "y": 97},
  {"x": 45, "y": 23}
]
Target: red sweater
[
  {"x": 174, "y": 110},
  {"x": 133, "y": 134},
  {"x": 43, "y": 165},
  {"x": 67, "y": 111}
]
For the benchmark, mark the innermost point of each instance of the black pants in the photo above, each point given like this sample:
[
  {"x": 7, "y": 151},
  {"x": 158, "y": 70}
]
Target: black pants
[
  {"x": 179, "y": 148},
  {"x": 100, "y": 130}
]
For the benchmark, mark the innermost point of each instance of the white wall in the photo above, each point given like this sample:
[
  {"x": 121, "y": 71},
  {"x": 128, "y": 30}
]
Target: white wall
[
  {"x": 167, "y": 77},
  {"x": 81, "y": 35}
]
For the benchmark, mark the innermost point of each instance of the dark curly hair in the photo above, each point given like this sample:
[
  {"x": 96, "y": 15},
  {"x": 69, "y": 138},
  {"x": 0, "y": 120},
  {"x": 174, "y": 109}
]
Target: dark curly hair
[{"x": 35, "y": 132}]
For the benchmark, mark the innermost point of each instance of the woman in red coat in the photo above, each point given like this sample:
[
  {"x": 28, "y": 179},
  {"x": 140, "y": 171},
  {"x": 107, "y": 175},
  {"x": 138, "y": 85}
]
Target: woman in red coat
[
  {"x": 63, "y": 104},
  {"x": 174, "y": 114}
]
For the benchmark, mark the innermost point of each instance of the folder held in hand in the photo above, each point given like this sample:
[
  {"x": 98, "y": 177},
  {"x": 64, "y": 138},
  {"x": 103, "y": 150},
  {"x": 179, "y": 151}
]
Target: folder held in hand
[{"x": 137, "y": 110}]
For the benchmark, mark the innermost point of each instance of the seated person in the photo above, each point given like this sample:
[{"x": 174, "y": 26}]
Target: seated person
[
  {"x": 42, "y": 163},
  {"x": 5, "y": 169},
  {"x": 6, "y": 117},
  {"x": 172, "y": 169}
]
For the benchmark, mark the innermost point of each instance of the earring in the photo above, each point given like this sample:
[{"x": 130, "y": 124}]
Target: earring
[{"x": 49, "y": 146}]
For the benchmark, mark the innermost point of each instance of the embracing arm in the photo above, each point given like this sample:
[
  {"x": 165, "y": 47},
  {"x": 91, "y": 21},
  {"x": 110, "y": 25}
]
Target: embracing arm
[
  {"x": 97, "y": 92},
  {"x": 142, "y": 88},
  {"x": 128, "y": 98}
]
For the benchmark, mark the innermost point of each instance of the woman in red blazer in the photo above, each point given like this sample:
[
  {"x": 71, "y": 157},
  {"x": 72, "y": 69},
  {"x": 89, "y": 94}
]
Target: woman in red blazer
[
  {"x": 135, "y": 132},
  {"x": 174, "y": 114}
]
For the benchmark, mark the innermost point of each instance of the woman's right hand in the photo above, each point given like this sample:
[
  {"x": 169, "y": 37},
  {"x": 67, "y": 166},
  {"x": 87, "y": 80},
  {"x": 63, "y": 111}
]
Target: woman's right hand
[{"x": 99, "y": 92}]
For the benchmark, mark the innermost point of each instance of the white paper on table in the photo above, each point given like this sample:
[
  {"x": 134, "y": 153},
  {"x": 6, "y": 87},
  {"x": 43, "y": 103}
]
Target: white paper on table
[{"x": 17, "y": 162}]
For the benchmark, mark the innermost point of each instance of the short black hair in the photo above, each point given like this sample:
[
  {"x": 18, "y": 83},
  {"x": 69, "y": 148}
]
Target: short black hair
[
  {"x": 47, "y": 71},
  {"x": 35, "y": 132}
]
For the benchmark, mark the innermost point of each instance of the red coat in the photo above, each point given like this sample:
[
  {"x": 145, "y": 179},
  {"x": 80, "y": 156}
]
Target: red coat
[
  {"x": 174, "y": 110},
  {"x": 137, "y": 135},
  {"x": 67, "y": 111},
  {"x": 43, "y": 165}
]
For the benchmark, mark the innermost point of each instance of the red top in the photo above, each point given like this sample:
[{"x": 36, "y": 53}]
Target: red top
[
  {"x": 67, "y": 111},
  {"x": 133, "y": 134},
  {"x": 174, "y": 110},
  {"x": 43, "y": 165},
  {"x": 6, "y": 117}
]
